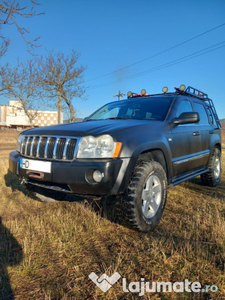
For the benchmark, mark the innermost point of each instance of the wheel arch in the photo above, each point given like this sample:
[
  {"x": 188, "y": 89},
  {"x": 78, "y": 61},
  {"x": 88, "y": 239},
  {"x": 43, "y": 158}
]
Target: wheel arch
[
  {"x": 215, "y": 145},
  {"x": 149, "y": 154},
  {"x": 156, "y": 155},
  {"x": 218, "y": 145}
]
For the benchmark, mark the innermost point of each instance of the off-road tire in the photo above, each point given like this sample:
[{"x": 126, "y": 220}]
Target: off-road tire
[
  {"x": 43, "y": 195},
  {"x": 132, "y": 208},
  {"x": 213, "y": 176}
]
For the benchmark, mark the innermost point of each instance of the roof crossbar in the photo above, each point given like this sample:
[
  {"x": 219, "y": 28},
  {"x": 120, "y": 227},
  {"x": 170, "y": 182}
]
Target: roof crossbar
[{"x": 196, "y": 93}]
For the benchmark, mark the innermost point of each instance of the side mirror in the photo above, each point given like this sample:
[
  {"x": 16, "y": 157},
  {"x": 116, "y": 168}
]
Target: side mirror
[
  {"x": 187, "y": 118},
  {"x": 85, "y": 119}
]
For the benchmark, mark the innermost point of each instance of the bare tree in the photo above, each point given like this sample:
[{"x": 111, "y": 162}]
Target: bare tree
[
  {"x": 10, "y": 10},
  {"x": 5, "y": 80},
  {"x": 63, "y": 79},
  {"x": 24, "y": 83}
]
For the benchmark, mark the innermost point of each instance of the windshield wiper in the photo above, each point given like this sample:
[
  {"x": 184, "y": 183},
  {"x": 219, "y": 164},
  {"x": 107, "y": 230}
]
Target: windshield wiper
[
  {"x": 113, "y": 118},
  {"x": 117, "y": 118}
]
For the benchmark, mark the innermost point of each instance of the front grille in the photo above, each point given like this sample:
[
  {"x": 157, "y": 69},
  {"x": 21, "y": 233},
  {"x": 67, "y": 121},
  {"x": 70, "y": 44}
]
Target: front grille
[{"x": 49, "y": 147}]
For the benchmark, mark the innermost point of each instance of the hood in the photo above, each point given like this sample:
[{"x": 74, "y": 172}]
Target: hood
[{"x": 94, "y": 128}]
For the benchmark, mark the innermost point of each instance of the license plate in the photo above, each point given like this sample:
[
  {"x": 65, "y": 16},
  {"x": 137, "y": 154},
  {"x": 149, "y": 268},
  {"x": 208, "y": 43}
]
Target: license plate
[{"x": 35, "y": 165}]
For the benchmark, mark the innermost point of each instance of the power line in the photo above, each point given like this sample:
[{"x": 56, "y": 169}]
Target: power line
[
  {"x": 171, "y": 63},
  {"x": 159, "y": 53},
  {"x": 176, "y": 61}
]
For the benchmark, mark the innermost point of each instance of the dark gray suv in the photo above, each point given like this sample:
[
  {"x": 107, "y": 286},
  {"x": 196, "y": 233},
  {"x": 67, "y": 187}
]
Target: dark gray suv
[{"x": 132, "y": 149}]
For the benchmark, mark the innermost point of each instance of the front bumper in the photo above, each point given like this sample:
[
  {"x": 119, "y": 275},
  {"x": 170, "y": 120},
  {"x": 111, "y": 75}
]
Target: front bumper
[{"x": 76, "y": 176}]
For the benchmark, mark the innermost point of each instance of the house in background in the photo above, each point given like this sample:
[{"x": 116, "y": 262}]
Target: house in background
[{"x": 13, "y": 116}]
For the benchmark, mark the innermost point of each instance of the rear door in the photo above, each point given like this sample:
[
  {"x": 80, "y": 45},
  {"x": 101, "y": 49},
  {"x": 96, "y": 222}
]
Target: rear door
[{"x": 205, "y": 129}]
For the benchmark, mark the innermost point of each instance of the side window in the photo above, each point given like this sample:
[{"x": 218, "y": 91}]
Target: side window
[
  {"x": 185, "y": 106},
  {"x": 202, "y": 113},
  {"x": 212, "y": 120}
]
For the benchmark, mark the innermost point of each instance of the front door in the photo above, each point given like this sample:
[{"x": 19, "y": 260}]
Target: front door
[{"x": 185, "y": 144}]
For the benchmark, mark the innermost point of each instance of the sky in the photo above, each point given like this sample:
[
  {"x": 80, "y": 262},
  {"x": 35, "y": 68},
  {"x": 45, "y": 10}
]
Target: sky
[{"x": 128, "y": 45}]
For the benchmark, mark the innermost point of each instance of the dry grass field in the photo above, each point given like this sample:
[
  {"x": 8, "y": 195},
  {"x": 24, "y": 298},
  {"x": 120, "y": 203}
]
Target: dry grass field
[
  {"x": 223, "y": 135},
  {"x": 8, "y": 138},
  {"x": 47, "y": 250}
]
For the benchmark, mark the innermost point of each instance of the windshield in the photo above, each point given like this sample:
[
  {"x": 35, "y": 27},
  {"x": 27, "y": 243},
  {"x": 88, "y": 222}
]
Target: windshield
[{"x": 140, "y": 109}]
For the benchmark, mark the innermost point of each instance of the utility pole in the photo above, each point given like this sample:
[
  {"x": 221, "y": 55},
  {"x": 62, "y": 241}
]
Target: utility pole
[{"x": 119, "y": 95}]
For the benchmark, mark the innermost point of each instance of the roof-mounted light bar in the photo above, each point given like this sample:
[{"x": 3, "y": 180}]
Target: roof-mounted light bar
[
  {"x": 181, "y": 90},
  {"x": 143, "y": 93}
]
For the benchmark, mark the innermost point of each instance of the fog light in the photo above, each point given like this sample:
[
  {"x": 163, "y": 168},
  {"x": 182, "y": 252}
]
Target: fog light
[{"x": 97, "y": 176}]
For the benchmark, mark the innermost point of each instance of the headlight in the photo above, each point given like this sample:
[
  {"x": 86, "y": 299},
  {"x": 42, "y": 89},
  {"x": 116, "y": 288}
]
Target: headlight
[
  {"x": 19, "y": 142},
  {"x": 100, "y": 147},
  {"x": 105, "y": 146}
]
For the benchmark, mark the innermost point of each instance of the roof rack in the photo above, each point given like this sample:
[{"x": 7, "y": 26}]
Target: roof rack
[
  {"x": 212, "y": 107},
  {"x": 203, "y": 96},
  {"x": 196, "y": 93},
  {"x": 182, "y": 90}
]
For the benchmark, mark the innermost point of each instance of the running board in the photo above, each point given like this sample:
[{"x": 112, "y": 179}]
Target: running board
[{"x": 189, "y": 176}]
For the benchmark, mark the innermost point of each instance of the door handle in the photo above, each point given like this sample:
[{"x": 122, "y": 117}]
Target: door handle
[{"x": 196, "y": 133}]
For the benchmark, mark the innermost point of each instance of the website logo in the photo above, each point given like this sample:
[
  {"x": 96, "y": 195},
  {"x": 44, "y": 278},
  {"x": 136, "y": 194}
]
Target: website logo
[
  {"x": 141, "y": 287},
  {"x": 104, "y": 282}
]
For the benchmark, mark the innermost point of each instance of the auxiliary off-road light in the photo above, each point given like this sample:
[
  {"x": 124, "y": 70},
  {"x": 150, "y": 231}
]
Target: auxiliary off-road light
[
  {"x": 165, "y": 89},
  {"x": 143, "y": 92},
  {"x": 129, "y": 94},
  {"x": 182, "y": 88}
]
